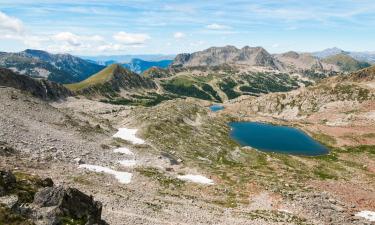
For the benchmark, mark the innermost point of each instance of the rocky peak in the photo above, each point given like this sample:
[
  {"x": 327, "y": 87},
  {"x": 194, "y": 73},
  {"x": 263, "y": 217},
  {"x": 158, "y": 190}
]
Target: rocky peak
[{"x": 214, "y": 56}]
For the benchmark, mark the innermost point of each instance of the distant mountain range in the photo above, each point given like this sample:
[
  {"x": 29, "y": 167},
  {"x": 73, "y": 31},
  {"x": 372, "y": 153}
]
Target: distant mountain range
[
  {"x": 111, "y": 59},
  {"x": 139, "y": 65},
  {"x": 360, "y": 56},
  {"x": 215, "y": 56},
  {"x": 60, "y": 68},
  {"x": 65, "y": 68},
  {"x": 290, "y": 62}
]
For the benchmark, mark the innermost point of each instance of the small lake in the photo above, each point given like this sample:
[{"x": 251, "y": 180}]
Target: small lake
[
  {"x": 279, "y": 139},
  {"x": 215, "y": 108}
]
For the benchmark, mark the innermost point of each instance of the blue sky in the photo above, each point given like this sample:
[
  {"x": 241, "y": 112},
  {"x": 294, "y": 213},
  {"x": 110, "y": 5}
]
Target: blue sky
[{"x": 93, "y": 27}]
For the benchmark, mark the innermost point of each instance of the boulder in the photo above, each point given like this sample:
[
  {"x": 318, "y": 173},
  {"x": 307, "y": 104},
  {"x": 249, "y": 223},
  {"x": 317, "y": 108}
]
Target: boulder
[
  {"x": 7, "y": 182},
  {"x": 62, "y": 203}
]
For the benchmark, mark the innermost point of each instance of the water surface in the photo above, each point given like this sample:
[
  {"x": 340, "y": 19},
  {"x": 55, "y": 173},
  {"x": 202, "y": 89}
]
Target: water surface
[
  {"x": 215, "y": 108},
  {"x": 280, "y": 139}
]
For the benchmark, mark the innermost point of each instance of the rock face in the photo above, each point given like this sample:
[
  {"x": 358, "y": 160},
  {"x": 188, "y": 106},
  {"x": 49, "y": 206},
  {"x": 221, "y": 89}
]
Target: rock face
[
  {"x": 68, "y": 202},
  {"x": 7, "y": 182},
  {"x": 41, "y": 88},
  {"x": 250, "y": 56},
  {"x": 47, "y": 206}
]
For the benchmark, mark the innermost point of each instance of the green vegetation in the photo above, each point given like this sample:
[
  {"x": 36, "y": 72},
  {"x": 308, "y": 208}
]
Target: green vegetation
[
  {"x": 147, "y": 100},
  {"x": 164, "y": 181},
  {"x": 27, "y": 185},
  {"x": 7, "y": 217},
  {"x": 325, "y": 139},
  {"x": 210, "y": 148},
  {"x": 227, "y": 86},
  {"x": 187, "y": 86},
  {"x": 99, "y": 78},
  {"x": 346, "y": 63}
]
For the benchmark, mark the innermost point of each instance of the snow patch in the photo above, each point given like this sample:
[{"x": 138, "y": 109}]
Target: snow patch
[
  {"x": 370, "y": 115},
  {"x": 367, "y": 215},
  {"x": 196, "y": 179},
  {"x": 128, "y": 162},
  {"x": 123, "y": 150},
  {"x": 122, "y": 177},
  {"x": 129, "y": 135}
]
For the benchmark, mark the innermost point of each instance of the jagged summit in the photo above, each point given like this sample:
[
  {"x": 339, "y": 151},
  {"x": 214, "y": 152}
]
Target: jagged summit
[{"x": 214, "y": 56}]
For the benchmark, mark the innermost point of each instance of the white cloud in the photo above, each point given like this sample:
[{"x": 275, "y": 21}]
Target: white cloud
[
  {"x": 67, "y": 37},
  {"x": 74, "y": 39},
  {"x": 131, "y": 38},
  {"x": 179, "y": 35},
  {"x": 10, "y": 23},
  {"x": 215, "y": 26}
]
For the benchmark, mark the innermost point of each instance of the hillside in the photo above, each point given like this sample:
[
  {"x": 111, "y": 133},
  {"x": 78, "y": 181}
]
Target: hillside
[
  {"x": 364, "y": 75},
  {"x": 298, "y": 62},
  {"x": 110, "y": 81},
  {"x": 40, "y": 88},
  {"x": 345, "y": 62},
  {"x": 368, "y": 57}
]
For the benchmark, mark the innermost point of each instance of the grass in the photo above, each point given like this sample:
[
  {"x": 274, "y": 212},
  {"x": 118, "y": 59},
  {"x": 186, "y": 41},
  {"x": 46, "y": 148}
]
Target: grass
[
  {"x": 7, "y": 217},
  {"x": 98, "y": 78},
  {"x": 324, "y": 138},
  {"x": 164, "y": 181},
  {"x": 147, "y": 100}
]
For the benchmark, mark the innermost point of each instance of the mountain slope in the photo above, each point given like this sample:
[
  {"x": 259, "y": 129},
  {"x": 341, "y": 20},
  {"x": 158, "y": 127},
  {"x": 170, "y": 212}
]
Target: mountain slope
[
  {"x": 43, "y": 89},
  {"x": 215, "y": 56},
  {"x": 34, "y": 67},
  {"x": 346, "y": 63},
  {"x": 367, "y": 74},
  {"x": 139, "y": 65},
  {"x": 360, "y": 56},
  {"x": 78, "y": 68},
  {"x": 329, "y": 52},
  {"x": 110, "y": 81},
  {"x": 294, "y": 61}
]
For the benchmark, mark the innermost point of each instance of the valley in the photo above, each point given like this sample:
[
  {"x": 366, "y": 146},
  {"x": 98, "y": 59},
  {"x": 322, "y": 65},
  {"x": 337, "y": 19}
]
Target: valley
[{"x": 151, "y": 150}]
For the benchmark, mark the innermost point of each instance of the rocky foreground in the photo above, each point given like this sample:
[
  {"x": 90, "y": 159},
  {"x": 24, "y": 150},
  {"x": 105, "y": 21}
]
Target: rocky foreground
[{"x": 28, "y": 199}]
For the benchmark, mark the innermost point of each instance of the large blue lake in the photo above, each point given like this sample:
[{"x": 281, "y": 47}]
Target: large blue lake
[{"x": 280, "y": 139}]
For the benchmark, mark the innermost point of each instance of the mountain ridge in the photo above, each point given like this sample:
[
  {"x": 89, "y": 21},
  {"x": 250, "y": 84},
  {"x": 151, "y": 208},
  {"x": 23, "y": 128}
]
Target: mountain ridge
[
  {"x": 60, "y": 68},
  {"x": 40, "y": 88},
  {"x": 110, "y": 81}
]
